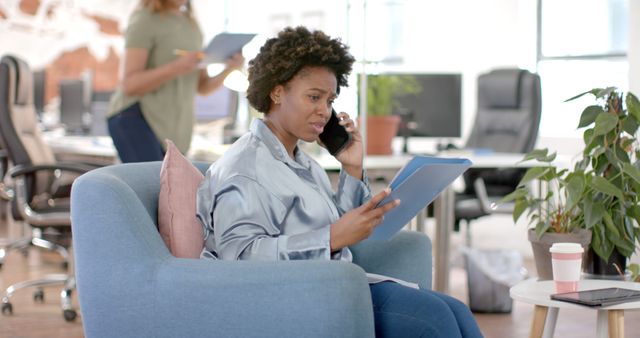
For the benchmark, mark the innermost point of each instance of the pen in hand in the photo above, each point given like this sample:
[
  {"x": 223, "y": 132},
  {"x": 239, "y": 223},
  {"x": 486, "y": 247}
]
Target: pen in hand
[{"x": 182, "y": 52}]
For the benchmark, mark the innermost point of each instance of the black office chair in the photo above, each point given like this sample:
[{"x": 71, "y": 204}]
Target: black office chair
[
  {"x": 41, "y": 185},
  {"x": 507, "y": 121}
]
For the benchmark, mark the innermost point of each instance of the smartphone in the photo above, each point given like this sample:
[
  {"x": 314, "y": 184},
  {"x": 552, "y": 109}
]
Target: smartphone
[{"x": 334, "y": 136}]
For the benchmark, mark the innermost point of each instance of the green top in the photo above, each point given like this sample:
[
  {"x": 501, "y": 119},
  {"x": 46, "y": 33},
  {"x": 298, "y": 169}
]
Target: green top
[{"x": 168, "y": 109}]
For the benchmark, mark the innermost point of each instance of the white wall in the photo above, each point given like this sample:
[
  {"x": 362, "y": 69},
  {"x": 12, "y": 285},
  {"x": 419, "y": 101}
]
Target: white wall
[{"x": 470, "y": 37}]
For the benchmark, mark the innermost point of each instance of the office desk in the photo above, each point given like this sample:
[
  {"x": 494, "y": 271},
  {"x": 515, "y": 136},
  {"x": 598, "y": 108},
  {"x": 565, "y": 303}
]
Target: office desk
[
  {"x": 96, "y": 149},
  {"x": 444, "y": 204}
]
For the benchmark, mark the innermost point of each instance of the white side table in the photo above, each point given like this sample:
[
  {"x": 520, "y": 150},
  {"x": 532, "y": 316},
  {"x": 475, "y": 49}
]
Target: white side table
[{"x": 610, "y": 318}]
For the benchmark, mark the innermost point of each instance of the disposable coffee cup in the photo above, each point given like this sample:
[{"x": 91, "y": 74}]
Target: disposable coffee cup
[{"x": 566, "y": 262}]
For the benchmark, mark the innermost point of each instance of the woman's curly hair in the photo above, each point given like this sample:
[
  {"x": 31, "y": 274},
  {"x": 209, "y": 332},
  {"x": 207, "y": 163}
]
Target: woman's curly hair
[{"x": 282, "y": 57}]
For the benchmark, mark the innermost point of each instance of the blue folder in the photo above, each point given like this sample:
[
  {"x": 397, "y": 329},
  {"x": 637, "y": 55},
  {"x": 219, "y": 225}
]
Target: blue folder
[{"x": 417, "y": 184}]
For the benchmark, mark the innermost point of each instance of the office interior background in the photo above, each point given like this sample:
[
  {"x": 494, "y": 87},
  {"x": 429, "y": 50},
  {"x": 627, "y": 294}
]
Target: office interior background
[
  {"x": 574, "y": 45},
  {"x": 572, "y": 52}
]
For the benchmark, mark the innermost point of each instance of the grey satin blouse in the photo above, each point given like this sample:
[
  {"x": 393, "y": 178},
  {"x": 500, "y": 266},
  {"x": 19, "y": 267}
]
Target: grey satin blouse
[{"x": 257, "y": 203}]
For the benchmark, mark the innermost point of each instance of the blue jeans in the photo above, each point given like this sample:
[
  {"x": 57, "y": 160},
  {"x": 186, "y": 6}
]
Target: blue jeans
[
  {"x": 133, "y": 138},
  {"x": 401, "y": 311}
]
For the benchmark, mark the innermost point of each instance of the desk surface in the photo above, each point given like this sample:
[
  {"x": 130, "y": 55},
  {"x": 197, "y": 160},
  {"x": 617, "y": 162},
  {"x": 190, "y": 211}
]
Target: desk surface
[{"x": 103, "y": 146}]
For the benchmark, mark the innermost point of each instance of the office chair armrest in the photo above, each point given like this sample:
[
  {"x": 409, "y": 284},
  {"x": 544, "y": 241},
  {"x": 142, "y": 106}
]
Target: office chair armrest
[
  {"x": 52, "y": 216},
  {"x": 6, "y": 193},
  {"x": 486, "y": 205},
  {"x": 4, "y": 164},
  {"x": 406, "y": 256},
  {"x": 21, "y": 170}
]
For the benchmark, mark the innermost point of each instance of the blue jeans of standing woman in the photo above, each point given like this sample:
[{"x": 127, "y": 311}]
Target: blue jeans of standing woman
[
  {"x": 401, "y": 311},
  {"x": 133, "y": 138}
]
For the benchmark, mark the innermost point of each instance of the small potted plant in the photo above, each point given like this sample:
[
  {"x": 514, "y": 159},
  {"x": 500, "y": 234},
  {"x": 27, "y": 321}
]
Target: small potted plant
[
  {"x": 382, "y": 124},
  {"x": 601, "y": 194},
  {"x": 554, "y": 216}
]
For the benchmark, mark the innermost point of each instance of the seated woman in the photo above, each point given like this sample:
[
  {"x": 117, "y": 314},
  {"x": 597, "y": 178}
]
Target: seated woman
[{"x": 265, "y": 199}]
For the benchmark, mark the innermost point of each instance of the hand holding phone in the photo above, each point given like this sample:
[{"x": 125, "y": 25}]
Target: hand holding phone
[{"x": 334, "y": 136}]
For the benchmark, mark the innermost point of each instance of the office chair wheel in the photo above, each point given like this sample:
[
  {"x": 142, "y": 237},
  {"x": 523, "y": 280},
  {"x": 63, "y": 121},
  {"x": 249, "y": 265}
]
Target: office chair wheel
[
  {"x": 69, "y": 315},
  {"x": 38, "y": 296},
  {"x": 7, "y": 309}
]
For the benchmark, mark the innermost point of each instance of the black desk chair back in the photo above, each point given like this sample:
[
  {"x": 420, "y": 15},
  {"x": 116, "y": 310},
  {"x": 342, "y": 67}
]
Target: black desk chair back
[{"x": 507, "y": 121}]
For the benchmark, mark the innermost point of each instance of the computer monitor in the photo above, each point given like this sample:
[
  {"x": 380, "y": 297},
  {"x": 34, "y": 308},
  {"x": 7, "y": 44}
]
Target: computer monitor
[
  {"x": 222, "y": 103},
  {"x": 75, "y": 106},
  {"x": 99, "y": 108},
  {"x": 39, "y": 83},
  {"x": 430, "y": 104}
]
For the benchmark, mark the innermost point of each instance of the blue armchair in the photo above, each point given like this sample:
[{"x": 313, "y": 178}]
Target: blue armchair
[{"x": 131, "y": 286}]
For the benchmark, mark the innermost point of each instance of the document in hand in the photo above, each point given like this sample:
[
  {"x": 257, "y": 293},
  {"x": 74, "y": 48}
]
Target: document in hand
[
  {"x": 416, "y": 185},
  {"x": 224, "y": 45}
]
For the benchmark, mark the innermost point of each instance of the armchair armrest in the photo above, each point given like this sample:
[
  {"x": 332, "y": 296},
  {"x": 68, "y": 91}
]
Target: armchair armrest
[
  {"x": 406, "y": 256},
  {"x": 196, "y": 298}
]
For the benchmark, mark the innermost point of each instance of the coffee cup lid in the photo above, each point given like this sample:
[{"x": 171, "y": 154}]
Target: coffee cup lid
[{"x": 566, "y": 248}]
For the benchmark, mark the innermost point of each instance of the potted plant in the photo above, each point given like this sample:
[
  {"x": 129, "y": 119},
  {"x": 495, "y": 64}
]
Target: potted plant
[
  {"x": 554, "y": 216},
  {"x": 601, "y": 193},
  {"x": 382, "y": 125}
]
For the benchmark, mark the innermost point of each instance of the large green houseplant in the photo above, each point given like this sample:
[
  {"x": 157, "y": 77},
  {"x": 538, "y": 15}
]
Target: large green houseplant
[
  {"x": 382, "y": 125},
  {"x": 602, "y": 192}
]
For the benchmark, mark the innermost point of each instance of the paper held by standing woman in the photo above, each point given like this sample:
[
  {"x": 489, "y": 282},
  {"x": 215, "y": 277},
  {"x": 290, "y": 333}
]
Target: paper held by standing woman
[{"x": 224, "y": 45}]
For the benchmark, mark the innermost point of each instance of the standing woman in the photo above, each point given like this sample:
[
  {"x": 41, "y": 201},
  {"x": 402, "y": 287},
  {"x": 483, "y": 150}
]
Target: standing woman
[{"x": 155, "y": 100}]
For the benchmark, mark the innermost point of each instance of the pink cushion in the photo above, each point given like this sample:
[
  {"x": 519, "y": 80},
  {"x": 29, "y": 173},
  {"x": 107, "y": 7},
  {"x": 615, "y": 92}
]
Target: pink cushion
[{"x": 177, "y": 222}]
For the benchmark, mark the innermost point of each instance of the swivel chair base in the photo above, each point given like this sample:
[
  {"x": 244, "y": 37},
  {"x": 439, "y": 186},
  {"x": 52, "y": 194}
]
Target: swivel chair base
[
  {"x": 69, "y": 282},
  {"x": 37, "y": 241}
]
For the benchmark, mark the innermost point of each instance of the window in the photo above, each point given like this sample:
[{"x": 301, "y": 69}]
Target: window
[
  {"x": 578, "y": 52},
  {"x": 599, "y": 30}
]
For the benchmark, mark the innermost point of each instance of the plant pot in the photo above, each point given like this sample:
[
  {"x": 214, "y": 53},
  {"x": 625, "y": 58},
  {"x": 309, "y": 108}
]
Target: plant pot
[
  {"x": 597, "y": 268},
  {"x": 380, "y": 132},
  {"x": 541, "y": 246}
]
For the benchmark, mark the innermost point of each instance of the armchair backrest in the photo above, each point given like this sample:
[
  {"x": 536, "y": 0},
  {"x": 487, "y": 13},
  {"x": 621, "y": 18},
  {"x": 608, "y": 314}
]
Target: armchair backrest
[
  {"x": 509, "y": 110},
  {"x": 132, "y": 188}
]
